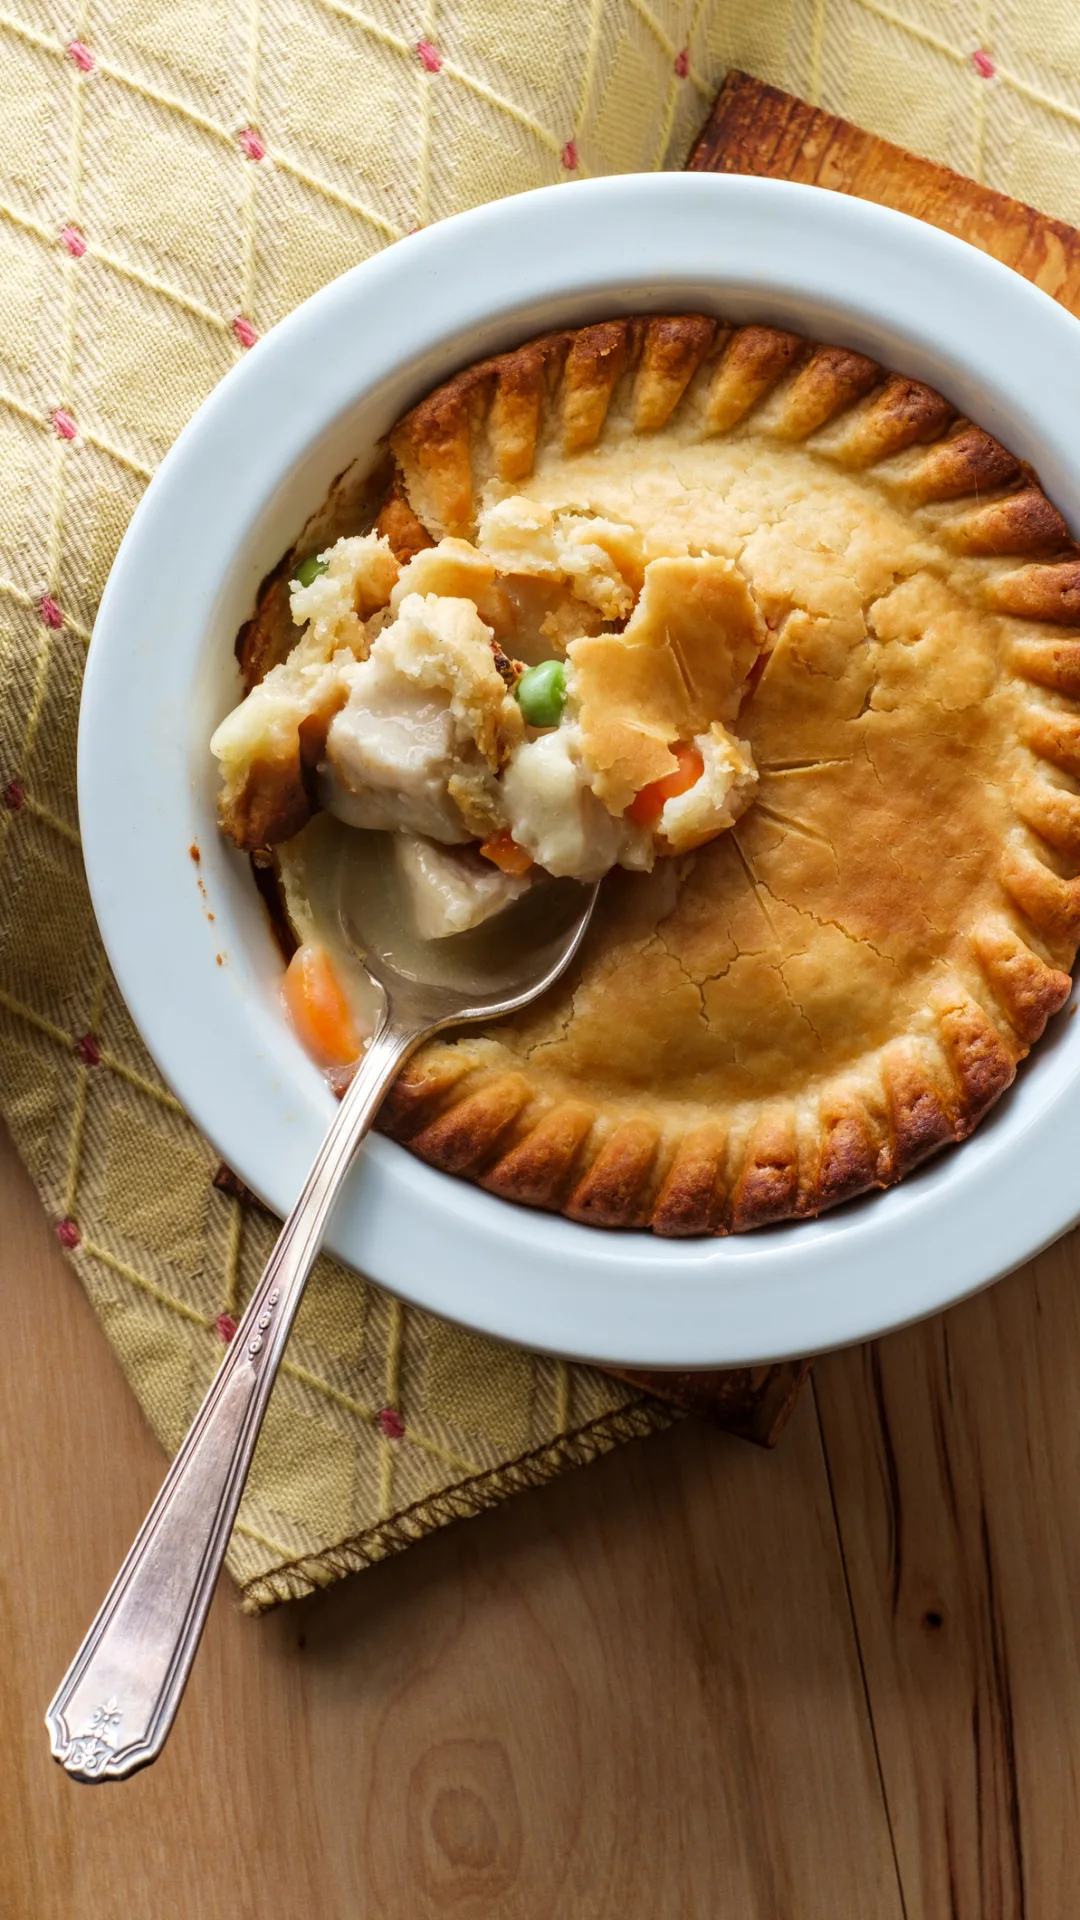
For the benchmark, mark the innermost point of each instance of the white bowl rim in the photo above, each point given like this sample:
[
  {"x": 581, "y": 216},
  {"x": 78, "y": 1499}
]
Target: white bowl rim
[{"x": 837, "y": 266}]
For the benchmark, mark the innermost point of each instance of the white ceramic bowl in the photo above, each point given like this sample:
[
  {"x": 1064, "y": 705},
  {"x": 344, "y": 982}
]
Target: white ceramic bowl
[{"x": 228, "y": 501}]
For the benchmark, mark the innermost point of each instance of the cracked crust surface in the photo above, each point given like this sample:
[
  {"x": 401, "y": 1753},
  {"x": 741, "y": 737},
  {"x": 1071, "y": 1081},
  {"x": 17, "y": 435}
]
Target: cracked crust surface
[{"x": 844, "y": 983}]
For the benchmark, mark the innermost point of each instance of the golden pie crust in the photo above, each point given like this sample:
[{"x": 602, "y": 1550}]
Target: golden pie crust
[{"x": 845, "y": 982}]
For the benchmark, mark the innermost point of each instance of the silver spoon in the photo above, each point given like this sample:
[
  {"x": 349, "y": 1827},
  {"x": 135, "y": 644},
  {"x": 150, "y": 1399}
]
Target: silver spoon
[{"x": 116, "y": 1704}]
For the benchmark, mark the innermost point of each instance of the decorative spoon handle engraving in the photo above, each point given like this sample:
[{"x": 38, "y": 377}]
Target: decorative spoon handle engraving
[{"x": 116, "y": 1704}]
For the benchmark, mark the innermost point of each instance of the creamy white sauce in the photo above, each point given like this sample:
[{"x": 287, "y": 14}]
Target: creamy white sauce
[{"x": 553, "y": 813}]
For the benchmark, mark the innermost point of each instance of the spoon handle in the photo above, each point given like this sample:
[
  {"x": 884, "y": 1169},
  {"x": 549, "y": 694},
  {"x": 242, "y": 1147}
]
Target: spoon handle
[{"x": 116, "y": 1704}]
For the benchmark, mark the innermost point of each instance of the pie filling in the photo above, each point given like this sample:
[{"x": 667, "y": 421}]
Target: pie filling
[
  {"x": 421, "y": 718},
  {"x": 762, "y": 625}
]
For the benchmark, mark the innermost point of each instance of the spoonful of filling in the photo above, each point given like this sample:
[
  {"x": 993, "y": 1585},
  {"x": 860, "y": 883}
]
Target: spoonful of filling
[{"x": 544, "y": 701}]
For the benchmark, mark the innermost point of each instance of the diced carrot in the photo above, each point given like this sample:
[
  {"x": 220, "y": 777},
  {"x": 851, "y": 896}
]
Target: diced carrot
[
  {"x": 503, "y": 852},
  {"x": 320, "y": 1013},
  {"x": 647, "y": 806}
]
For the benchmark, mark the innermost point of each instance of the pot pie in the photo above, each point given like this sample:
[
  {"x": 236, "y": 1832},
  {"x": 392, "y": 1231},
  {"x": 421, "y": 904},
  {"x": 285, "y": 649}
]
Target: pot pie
[{"x": 779, "y": 641}]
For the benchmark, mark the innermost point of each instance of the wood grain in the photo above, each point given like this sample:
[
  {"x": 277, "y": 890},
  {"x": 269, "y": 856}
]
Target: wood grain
[
  {"x": 954, "y": 1450},
  {"x": 635, "y": 1693}
]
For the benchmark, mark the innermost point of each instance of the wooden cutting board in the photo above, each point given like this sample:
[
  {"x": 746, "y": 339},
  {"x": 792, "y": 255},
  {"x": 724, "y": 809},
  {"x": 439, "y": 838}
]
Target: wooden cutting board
[
  {"x": 754, "y": 128},
  {"x": 758, "y": 129}
]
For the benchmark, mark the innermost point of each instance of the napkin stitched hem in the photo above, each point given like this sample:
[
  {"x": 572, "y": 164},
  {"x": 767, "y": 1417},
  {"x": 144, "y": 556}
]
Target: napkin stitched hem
[{"x": 298, "y": 1578}]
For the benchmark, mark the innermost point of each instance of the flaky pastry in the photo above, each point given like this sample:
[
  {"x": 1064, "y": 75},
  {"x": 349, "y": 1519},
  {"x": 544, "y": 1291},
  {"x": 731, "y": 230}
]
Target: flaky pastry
[{"x": 845, "y": 980}]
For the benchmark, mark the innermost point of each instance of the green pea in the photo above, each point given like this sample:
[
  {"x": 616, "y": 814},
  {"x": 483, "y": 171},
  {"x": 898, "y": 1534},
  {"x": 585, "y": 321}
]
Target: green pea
[
  {"x": 310, "y": 569},
  {"x": 541, "y": 693}
]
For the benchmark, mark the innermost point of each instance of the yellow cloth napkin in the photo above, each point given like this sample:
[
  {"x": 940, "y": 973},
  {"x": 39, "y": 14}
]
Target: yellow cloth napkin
[{"x": 173, "y": 179}]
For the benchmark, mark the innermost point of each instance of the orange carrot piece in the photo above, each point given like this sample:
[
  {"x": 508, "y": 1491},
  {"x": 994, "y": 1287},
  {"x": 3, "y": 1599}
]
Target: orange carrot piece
[
  {"x": 503, "y": 852},
  {"x": 647, "y": 806},
  {"x": 320, "y": 1013}
]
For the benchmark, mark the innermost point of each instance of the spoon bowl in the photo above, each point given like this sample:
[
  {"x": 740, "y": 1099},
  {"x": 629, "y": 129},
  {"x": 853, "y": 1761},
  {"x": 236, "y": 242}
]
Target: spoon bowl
[{"x": 491, "y": 970}]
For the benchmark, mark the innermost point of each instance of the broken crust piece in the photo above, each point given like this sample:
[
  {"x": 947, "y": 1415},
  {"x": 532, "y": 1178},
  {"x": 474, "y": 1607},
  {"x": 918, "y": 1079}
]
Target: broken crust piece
[
  {"x": 455, "y": 570},
  {"x": 270, "y": 745},
  {"x": 602, "y": 560},
  {"x": 360, "y": 576},
  {"x": 680, "y": 665}
]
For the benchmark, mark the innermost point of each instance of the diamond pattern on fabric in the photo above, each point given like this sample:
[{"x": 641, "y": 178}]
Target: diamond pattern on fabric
[{"x": 175, "y": 176}]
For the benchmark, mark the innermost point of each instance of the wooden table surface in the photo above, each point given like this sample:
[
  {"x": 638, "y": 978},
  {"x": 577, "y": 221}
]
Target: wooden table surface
[{"x": 841, "y": 1680}]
